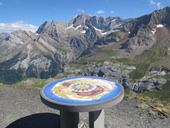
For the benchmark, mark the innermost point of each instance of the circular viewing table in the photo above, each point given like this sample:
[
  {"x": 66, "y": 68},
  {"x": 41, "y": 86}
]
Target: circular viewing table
[{"x": 82, "y": 94}]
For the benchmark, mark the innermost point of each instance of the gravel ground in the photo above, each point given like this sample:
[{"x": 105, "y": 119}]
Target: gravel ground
[{"x": 22, "y": 108}]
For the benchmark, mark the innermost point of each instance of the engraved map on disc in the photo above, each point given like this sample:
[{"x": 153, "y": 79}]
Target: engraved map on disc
[{"x": 83, "y": 89}]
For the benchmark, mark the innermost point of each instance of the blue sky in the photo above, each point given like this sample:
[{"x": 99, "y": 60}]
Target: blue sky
[{"x": 30, "y": 14}]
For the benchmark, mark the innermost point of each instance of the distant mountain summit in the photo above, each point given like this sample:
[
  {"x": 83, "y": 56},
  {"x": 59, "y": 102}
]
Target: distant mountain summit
[
  {"x": 139, "y": 34},
  {"x": 83, "y": 22},
  {"x": 142, "y": 30},
  {"x": 25, "y": 54},
  {"x": 42, "y": 54},
  {"x": 99, "y": 23}
]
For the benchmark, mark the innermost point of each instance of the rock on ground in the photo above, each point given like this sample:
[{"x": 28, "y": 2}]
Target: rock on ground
[{"x": 22, "y": 108}]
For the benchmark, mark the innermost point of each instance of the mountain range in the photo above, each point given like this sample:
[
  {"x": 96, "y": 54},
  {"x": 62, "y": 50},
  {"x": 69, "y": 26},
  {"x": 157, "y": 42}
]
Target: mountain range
[{"x": 44, "y": 54}]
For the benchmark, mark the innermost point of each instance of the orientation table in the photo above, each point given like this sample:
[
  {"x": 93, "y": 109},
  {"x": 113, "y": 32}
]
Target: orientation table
[{"x": 82, "y": 94}]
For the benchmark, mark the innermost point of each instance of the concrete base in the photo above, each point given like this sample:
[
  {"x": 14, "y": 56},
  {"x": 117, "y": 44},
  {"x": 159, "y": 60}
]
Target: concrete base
[
  {"x": 96, "y": 119},
  {"x": 69, "y": 119}
]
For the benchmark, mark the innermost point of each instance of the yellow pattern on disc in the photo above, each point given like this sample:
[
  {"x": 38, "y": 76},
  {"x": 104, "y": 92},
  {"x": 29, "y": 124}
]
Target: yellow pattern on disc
[{"x": 82, "y": 86}]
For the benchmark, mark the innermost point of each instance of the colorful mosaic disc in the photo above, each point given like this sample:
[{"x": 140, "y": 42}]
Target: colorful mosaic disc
[
  {"x": 82, "y": 87},
  {"x": 81, "y": 90}
]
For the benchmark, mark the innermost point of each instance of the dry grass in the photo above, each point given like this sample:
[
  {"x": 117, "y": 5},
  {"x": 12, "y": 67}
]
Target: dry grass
[
  {"x": 160, "y": 105},
  {"x": 158, "y": 109},
  {"x": 162, "y": 117},
  {"x": 151, "y": 112},
  {"x": 143, "y": 105},
  {"x": 166, "y": 110}
]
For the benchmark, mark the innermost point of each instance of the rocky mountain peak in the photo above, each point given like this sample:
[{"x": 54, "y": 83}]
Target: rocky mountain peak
[
  {"x": 142, "y": 30},
  {"x": 2, "y": 36},
  {"x": 101, "y": 19},
  {"x": 23, "y": 33},
  {"x": 79, "y": 20},
  {"x": 52, "y": 30},
  {"x": 18, "y": 32},
  {"x": 19, "y": 36},
  {"x": 54, "y": 44},
  {"x": 101, "y": 24},
  {"x": 81, "y": 24},
  {"x": 43, "y": 27},
  {"x": 161, "y": 16}
]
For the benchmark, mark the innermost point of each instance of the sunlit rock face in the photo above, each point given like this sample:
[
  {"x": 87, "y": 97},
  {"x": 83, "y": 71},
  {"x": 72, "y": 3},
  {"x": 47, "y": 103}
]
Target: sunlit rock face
[
  {"x": 42, "y": 54},
  {"x": 25, "y": 54}
]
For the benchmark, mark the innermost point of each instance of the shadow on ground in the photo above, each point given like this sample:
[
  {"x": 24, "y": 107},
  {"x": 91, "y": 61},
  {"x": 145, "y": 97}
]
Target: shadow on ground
[{"x": 41, "y": 120}]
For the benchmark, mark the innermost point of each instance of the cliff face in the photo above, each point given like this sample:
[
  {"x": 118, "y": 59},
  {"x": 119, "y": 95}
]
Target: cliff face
[
  {"x": 143, "y": 42},
  {"x": 42, "y": 54},
  {"x": 142, "y": 31},
  {"x": 139, "y": 34},
  {"x": 25, "y": 54}
]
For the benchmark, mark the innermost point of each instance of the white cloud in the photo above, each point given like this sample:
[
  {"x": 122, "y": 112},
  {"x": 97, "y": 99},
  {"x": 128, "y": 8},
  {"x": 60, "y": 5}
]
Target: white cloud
[
  {"x": 80, "y": 10},
  {"x": 99, "y": 12},
  {"x": 152, "y": 2},
  {"x": 112, "y": 11},
  {"x": 159, "y": 6},
  {"x": 0, "y": 3},
  {"x": 18, "y": 25}
]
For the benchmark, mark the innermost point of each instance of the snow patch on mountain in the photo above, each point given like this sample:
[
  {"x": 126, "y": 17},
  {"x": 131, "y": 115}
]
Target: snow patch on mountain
[
  {"x": 158, "y": 26},
  {"x": 69, "y": 27},
  {"x": 108, "y": 32},
  {"x": 113, "y": 20},
  {"x": 73, "y": 27},
  {"x": 84, "y": 31},
  {"x": 105, "y": 32},
  {"x": 86, "y": 27},
  {"x": 97, "y": 29},
  {"x": 153, "y": 31},
  {"x": 77, "y": 27},
  {"x": 161, "y": 25}
]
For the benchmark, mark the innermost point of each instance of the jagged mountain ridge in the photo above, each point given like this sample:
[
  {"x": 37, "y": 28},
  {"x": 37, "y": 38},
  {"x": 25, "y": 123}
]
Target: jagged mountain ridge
[
  {"x": 142, "y": 30},
  {"x": 42, "y": 54},
  {"x": 25, "y": 54},
  {"x": 136, "y": 35},
  {"x": 3, "y": 36},
  {"x": 143, "y": 44}
]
